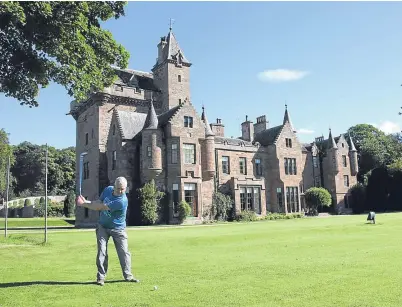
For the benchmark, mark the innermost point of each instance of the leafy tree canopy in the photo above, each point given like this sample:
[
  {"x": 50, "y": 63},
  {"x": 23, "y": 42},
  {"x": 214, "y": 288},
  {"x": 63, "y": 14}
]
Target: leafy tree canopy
[{"x": 59, "y": 41}]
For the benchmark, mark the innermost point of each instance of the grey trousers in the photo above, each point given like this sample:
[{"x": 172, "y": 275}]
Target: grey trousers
[{"x": 121, "y": 245}]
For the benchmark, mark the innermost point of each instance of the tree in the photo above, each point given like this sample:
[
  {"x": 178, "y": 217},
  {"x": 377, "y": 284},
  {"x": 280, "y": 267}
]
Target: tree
[
  {"x": 376, "y": 149},
  {"x": 5, "y": 153},
  {"x": 150, "y": 202},
  {"x": 316, "y": 197},
  {"x": 69, "y": 204},
  {"x": 60, "y": 42}
]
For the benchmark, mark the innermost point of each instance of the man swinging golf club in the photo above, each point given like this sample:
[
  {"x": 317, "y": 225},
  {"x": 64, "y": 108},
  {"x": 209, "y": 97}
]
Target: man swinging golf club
[{"x": 112, "y": 205}]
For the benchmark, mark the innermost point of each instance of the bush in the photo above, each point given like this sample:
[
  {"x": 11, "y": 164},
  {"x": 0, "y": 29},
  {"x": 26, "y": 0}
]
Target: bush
[
  {"x": 36, "y": 202},
  {"x": 246, "y": 216},
  {"x": 21, "y": 203},
  {"x": 27, "y": 202},
  {"x": 184, "y": 211},
  {"x": 150, "y": 202},
  {"x": 69, "y": 204},
  {"x": 221, "y": 206},
  {"x": 316, "y": 197},
  {"x": 358, "y": 192}
]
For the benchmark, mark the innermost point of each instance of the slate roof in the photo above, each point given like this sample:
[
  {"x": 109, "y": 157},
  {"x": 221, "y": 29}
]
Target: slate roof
[
  {"x": 130, "y": 123},
  {"x": 134, "y": 78},
  {"x": 230, "y": 141},
  {"x": 151, "y": 121},
  {"x": 171, "y": 50},
  {"x": 268, "y": 136},
  {"x": 165, "y": 117}
]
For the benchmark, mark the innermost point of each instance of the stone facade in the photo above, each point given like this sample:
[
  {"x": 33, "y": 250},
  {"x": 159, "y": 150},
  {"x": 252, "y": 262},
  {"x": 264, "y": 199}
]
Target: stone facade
[{"x": 145, "y": 127}]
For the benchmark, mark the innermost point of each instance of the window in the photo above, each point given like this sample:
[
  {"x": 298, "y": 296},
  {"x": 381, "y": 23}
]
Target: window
[
  {"x": 290, "y": 166},
  {"x": 250, "y": 199},
  {"x": 344, "y": 161},
  {"x": 179, "y": 101},
  {"x": 93, "y": 134},
  {"x": 179, "y": 78},
  {"x": 114, "y": 129},
  {"x": 279, "y": 197},
  {"x": 188, "y": 121},
  {"x": 190, "y": 174},
  {"x": 86, "y": 138},
  {"x": 86, "y": 170},
  {"x": 346, "y": 180},
  {"x": 174, "y": 154},
  {"x": 189, "y": 153},
  {"x": 225, "y": 165},
  {"x": 288, "y": 142},
  {"x": 190, "y": 197},
  {"x": 292, "y": 199},
  {"x": 175, "y": 199},
  {"x": 242, "y": 166},
  {"x": 114, "y": 159},
  {"x": 137, "y": 90},
  {"x": 343, "y": 145},
  {"x": 315, "y": 161},
  {"x": 149, "y": 151},
  {"x": 258, "y": 168}
]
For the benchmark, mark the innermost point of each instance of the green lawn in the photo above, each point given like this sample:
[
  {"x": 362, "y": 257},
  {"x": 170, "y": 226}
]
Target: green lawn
[
  {"x": 36, "y": 222},
  {"x": 335, "y": 261}
]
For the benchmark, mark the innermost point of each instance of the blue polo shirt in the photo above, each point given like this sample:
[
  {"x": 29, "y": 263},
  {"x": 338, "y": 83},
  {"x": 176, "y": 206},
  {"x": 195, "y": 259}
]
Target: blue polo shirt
[{"x": 115, "y": 217}]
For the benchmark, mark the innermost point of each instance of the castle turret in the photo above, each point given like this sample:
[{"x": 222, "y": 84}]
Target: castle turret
[
  {"x": 354, "y": 167},
  {"x": 208, "y": 150},
  {"x": 151, "y": 151},
  {"x": 332, "y": 152}
]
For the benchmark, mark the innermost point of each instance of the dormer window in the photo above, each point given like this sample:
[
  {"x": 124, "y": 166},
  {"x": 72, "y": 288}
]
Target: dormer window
[
  {"x": 188, "y": 121},
  {"x": 137, "y": 90}
]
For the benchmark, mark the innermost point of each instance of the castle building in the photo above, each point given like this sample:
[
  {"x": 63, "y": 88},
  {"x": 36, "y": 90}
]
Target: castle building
[{"x": 145, "y": 127}]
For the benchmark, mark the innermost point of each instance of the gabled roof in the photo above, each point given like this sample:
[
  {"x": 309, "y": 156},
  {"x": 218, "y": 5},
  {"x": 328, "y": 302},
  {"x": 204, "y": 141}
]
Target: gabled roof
[
  {"x": 268, "y": 136},
  {"x": 130, "y": 123},
  {"x": 164, "y": 118}
]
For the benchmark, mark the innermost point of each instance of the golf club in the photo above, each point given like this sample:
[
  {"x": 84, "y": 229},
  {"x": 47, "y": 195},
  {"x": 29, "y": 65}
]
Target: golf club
[{"x": 81, "y": 170}]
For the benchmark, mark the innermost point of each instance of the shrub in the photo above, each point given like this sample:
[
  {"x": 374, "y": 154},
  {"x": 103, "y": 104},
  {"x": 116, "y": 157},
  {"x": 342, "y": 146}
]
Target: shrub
[
  {"x": 221, "y": 206},
  {"x": 36, "y": 202},
  {"x": 21, "y": 203},
  {"x": 316, "y": 197},
  {"x": 246, "y": 216},
  {"x": 27, "y": 202},
  {"x": 69, "y": 204},
  {"x": 150, "y": 202},
  {"x": 358, "y": 192},
  {"x": 184, "y": 211}
]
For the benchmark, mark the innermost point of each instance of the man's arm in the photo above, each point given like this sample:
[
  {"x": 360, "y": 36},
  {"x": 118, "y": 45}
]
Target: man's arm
[{"x": 97, "y": 205}]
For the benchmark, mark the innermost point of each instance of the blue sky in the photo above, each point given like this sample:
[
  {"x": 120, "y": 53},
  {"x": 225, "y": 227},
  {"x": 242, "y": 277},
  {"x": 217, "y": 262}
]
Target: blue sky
[{"x": 335, "y": 64}]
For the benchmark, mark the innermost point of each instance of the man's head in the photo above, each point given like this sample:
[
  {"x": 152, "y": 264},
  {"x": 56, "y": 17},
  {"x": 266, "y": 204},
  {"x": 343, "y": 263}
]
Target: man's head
[{"x": 120, "y": 186}]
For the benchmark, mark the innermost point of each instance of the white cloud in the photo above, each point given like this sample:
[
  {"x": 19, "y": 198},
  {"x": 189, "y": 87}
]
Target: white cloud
[
  {"x": 389, "y": 127},
  {"x": 305, "y": 131},
  {"x": 281, "y": 75}
]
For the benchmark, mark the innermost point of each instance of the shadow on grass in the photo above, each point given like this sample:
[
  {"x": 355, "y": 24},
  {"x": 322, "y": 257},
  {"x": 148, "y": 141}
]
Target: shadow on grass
[
  {"x": 54, "y": 283},
  {"x": 71, "y": 222}
]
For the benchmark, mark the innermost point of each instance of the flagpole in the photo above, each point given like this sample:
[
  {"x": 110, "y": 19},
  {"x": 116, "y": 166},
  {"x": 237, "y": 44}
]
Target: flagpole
[
  {"x": 7, "y": 191},
  {"x": 46, "y": 198}
]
